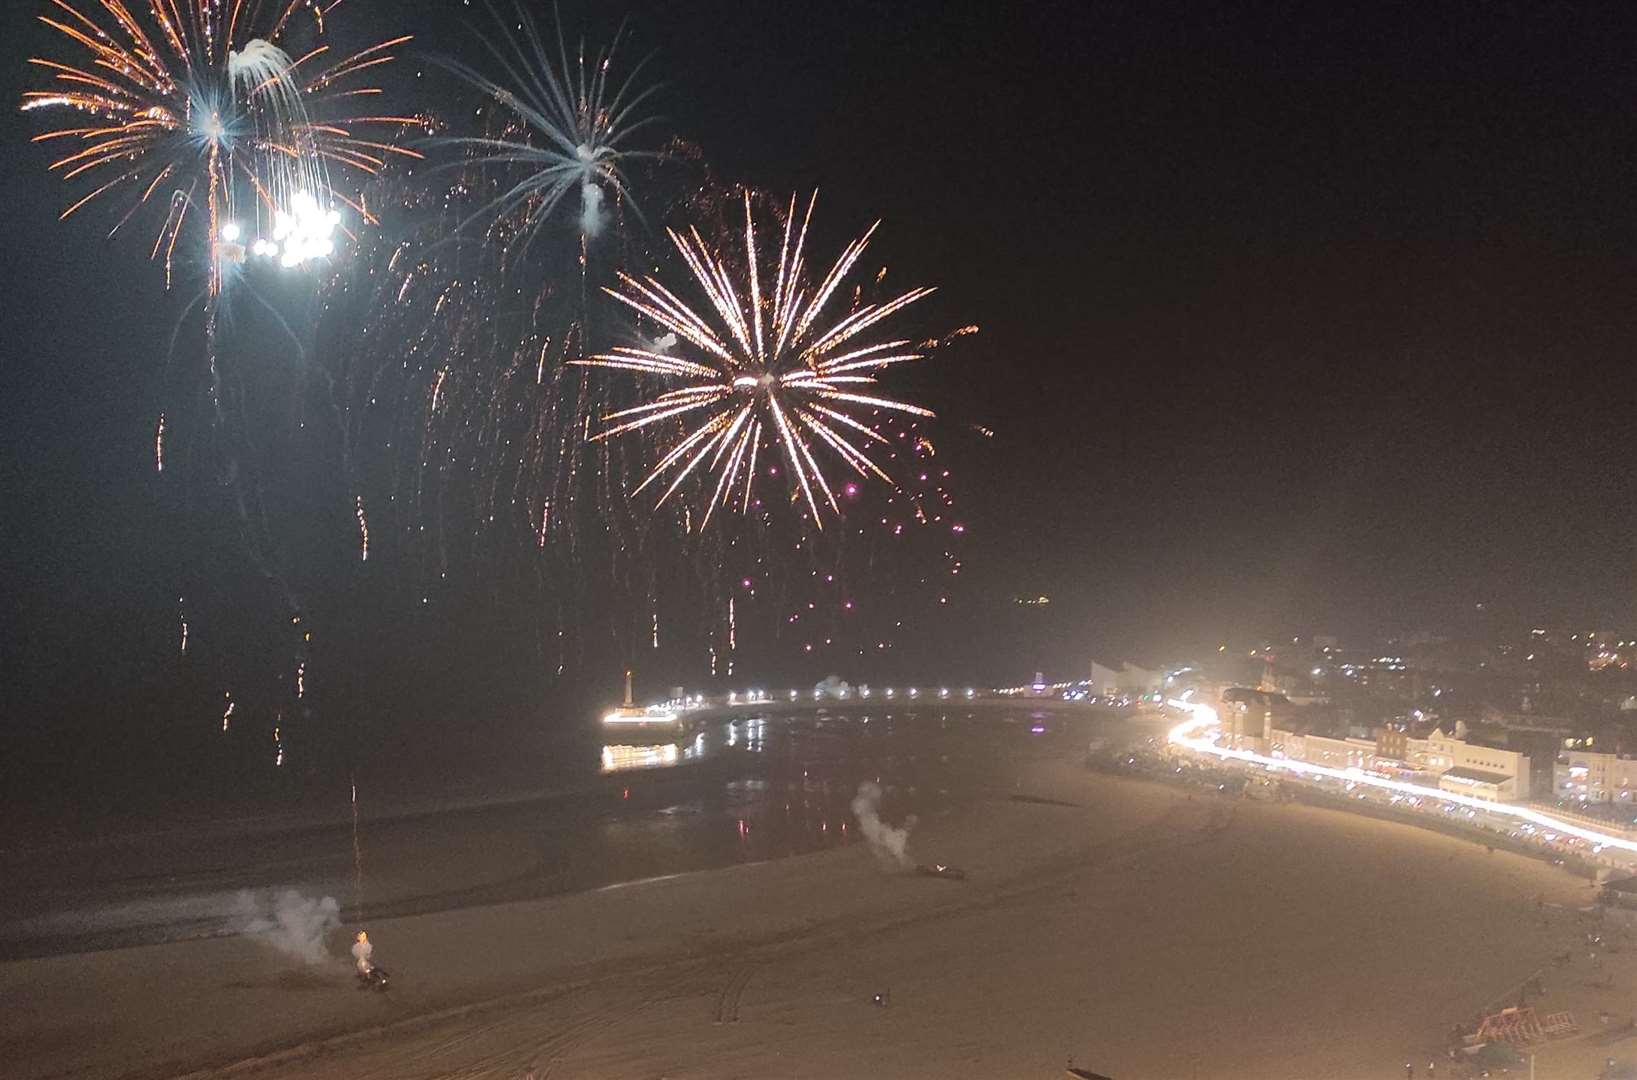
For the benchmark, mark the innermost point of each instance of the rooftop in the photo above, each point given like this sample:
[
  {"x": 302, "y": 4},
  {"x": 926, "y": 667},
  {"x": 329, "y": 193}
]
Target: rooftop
[{"x": 1478, "y": 776}]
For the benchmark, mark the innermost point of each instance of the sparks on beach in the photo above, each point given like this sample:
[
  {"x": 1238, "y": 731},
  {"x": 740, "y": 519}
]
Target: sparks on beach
[{"x": 772, "y": 368}]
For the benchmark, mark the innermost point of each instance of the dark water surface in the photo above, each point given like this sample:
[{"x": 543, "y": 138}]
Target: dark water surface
[{"x": 723, "y": 789}]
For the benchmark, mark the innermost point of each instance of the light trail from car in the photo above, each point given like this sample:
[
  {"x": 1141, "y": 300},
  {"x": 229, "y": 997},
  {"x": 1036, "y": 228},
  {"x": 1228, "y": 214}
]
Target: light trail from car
[{"x": 1197, "y": 734}]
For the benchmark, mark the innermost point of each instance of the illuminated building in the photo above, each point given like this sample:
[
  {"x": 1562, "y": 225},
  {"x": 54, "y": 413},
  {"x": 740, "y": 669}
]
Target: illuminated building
[
  {"x": 1585, "y": 775},
  {"x": 1480, "y": 772},
  {"x": 1485, "y": 772},
  {"x": 1348, "y": 753},
  {"x": 1247, "y": 719},
  {"x": 1482, "y": 784},
  {"x": 1393, "y": 744}
]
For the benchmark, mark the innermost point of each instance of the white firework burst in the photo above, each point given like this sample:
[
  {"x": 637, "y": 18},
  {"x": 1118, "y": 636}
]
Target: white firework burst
[
  {"x": 575, "y": 126},
  {"x": 768, "y": 368}
]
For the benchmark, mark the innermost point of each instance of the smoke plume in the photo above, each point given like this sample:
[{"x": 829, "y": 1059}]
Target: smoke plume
[
  {"x": 833, "y": 686},
  {"x": 885, "y": 841},
  {"x": 591, "y": 201},
  {"x": 294, "y": 924}
]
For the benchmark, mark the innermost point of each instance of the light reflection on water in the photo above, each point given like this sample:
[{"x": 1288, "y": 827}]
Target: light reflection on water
[
  {"x": 724, "y": 790},
  {"x": 749, "y": 736},
  {"x": 782, "y": 785},
  {"x": 625, "y": 758}
]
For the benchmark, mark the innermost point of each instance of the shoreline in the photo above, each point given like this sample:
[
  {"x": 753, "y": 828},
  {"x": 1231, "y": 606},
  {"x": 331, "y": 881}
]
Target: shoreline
[{"x": 1086, "y": 882}]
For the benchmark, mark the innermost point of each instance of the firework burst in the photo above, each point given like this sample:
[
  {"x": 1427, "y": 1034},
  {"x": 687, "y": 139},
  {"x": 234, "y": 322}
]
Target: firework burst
[
  {"x": 768, "y": 368},
  {"x": 572, "y": 130},
  {"x": 195, "y": 108}
]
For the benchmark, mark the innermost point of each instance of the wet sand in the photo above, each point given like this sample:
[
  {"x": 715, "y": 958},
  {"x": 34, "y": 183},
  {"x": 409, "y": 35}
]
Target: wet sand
[{"x": 1140, "y": 932}]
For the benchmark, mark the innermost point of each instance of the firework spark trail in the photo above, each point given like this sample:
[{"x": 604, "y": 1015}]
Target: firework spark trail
[
  {"x": 363, "y": 530},
  {"x": 192, "y": 113},
  {"x": 489, "y": 426},
  {"x": 357, "y": 857},
  {"x": 192, "y": 107},
  {"x": 557, "y": 138},
  {"x": 763, "y": 365},
  {"x": 575, "y": 129}
]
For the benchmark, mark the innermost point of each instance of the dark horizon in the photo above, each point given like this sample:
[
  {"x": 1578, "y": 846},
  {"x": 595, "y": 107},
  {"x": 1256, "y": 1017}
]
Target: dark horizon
[{"x": 1291, "y": 323}]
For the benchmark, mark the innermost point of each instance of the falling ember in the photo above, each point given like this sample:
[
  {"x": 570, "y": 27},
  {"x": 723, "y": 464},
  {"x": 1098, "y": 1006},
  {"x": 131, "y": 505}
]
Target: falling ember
[
  {"x": 159, "y": 445},
  {"x": 437, "y": 388},
  {"x": 656, "y": 629},
  {"x": 227, "y": 714},
  {"x": 278, "y": 747},
  {"x": 768, "y": 368},
  {"x": 363, "y": 531},
  {"x": 733, "y": 627},
  {"x": 182, "y": 617},
  {"x": 545, "y": 523},
  {"x": 301, "y": 680}
]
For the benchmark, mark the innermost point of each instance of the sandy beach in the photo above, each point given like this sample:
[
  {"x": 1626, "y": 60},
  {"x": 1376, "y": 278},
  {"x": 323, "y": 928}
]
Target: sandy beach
[{"x": 1139, "y": 931}]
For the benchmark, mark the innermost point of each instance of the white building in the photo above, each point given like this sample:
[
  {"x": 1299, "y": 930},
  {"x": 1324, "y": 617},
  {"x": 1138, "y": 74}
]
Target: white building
[
  {"x": 1589, "y": 776},
  {"x": 1336, "y": 753},
  {"x": 1127, "y": 679},
  {"x": 1482, "y": 771},
  {"x": 1324, "y": 750},
  {"x": 1482, "y": 784},
  {"x": 1479, "y": 771}
]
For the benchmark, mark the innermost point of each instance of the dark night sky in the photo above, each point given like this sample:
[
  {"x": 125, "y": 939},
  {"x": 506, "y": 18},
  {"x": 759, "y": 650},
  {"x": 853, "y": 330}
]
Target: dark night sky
[{"x": 1294, "y": 316}]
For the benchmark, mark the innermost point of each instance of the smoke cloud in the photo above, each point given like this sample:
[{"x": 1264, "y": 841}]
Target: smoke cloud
[
  {"x": 591, "y": 202},
  {"x": 885, "y": 841},
  {"x": 833, "y": 686},
  {"x": 294, "y": 924}
]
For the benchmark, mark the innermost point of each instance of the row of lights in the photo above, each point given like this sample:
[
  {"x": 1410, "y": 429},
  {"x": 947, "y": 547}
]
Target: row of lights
[{"x": 756, "y": 697}]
